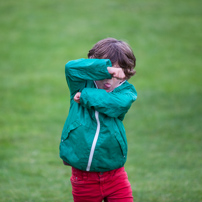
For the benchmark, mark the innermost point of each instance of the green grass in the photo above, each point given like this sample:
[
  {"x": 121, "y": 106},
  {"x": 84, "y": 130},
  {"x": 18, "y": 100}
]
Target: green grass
[{"x": 164, "y": 125}]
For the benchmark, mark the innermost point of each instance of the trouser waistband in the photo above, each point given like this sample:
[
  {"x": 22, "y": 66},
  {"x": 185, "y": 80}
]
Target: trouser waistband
[{"x": 87, "y": 174}]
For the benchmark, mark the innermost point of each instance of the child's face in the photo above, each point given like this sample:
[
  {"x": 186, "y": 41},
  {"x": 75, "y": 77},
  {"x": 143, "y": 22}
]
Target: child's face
[{"x": 108, "y": 84}]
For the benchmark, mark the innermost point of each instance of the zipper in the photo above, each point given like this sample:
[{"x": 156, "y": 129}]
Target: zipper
[
  {"x": 94, "y": 141},
  {"x": 96, "y": 135}
]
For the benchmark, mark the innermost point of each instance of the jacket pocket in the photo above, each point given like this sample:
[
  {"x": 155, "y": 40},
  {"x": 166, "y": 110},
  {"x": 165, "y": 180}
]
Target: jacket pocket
[
  {"x": 70, "y": 128},
  {"x": 121, "y": 144}
]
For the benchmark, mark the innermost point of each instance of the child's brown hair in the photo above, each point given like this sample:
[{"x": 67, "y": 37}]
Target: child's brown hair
[{"x": 118, "y": 52}]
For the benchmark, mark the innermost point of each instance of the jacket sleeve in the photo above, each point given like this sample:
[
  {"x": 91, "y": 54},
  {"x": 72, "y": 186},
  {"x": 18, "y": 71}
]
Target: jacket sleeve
[
  {"x": 113, "y": 104},
  {"x": 77, "y": 72}
]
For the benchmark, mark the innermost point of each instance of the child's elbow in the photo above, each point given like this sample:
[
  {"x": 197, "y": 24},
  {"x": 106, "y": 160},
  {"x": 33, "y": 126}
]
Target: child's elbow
[
  {"x": 67, "y": 68},
  {"x": 128, "y": 102}
]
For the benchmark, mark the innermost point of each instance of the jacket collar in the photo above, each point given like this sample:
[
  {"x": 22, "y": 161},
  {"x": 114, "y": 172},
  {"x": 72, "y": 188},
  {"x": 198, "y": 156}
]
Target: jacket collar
[{"x": 114, "y": 88}]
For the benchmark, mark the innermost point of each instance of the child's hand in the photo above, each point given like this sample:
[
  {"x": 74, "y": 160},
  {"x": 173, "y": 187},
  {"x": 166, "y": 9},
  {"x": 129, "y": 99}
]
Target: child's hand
[
  {"x": 116, "y": 72},
  {"x": 77, "y": 97}
]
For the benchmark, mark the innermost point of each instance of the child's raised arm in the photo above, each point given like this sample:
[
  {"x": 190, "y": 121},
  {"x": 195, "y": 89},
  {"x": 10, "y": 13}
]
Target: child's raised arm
[
  {"x": 79, "y": 71},
  {"x": 87, "y": 69}
]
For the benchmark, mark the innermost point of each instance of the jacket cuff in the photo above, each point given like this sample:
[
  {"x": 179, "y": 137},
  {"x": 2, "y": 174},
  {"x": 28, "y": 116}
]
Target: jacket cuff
[{"x": 82, "y": 97}]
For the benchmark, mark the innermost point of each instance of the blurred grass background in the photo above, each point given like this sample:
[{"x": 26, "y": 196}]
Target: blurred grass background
[{"x": 163, "y": 127}]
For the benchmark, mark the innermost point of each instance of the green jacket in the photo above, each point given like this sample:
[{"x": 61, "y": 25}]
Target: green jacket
[{"x": 93, "y": 137}]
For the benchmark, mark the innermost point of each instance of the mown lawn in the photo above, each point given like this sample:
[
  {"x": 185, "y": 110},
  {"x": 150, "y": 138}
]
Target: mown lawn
[{"x": 163, "y": 126}]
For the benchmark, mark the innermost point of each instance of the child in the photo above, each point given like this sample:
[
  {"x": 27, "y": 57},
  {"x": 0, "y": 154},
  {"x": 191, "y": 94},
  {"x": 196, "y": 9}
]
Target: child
[{"x": 93, "y": 139}]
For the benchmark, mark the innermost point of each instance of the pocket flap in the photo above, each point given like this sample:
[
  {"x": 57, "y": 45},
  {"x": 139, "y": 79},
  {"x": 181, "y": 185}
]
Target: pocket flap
[
  {"x": 121, "y": 143},
  {"x": 71, "y": 127}
]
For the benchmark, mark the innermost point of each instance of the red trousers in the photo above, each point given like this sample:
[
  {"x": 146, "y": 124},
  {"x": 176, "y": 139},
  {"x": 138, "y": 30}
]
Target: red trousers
[{"x": 110, "y": 186}]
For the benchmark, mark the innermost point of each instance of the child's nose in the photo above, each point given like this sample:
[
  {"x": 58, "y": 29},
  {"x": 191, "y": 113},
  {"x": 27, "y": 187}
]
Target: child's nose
[{"x": 107, "y": 80}]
